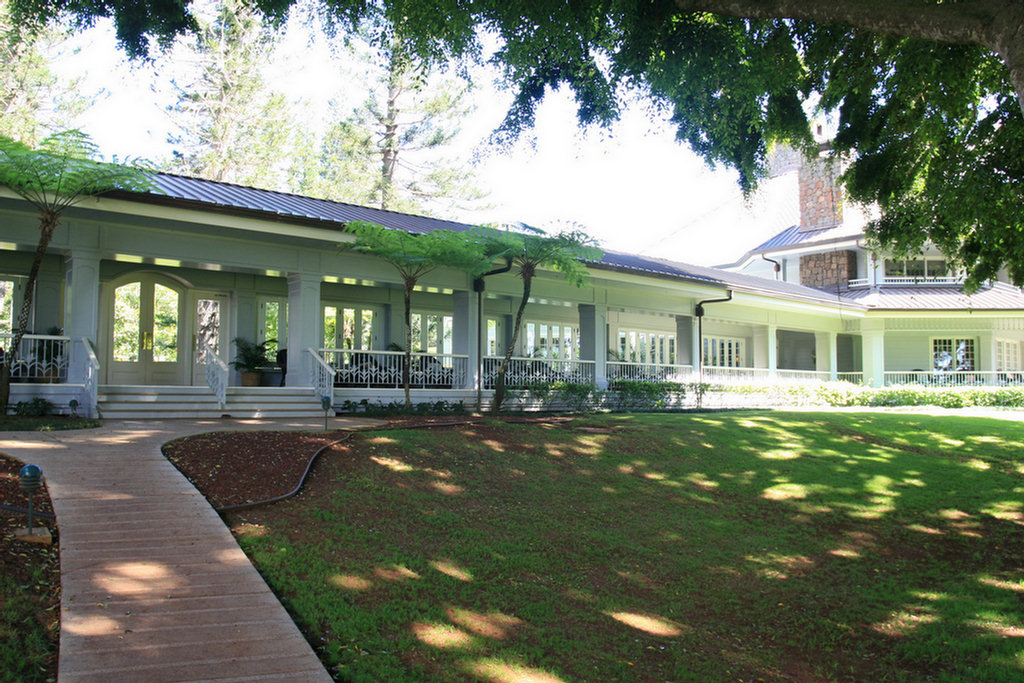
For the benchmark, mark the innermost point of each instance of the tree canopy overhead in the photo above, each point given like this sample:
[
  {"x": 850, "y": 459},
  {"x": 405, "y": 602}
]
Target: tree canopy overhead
[{"x": 926, "y": 94}]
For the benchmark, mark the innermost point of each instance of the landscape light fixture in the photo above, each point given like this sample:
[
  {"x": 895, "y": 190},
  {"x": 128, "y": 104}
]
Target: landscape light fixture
[{"x": 31, "y": 477}]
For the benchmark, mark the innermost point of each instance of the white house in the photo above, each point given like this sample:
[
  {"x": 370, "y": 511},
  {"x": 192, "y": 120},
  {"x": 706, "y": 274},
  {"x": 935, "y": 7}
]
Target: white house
[{"x": 141, "y": 294}]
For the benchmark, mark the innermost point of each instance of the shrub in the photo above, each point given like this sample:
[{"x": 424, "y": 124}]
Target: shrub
[{"x": 37, "y": 407}]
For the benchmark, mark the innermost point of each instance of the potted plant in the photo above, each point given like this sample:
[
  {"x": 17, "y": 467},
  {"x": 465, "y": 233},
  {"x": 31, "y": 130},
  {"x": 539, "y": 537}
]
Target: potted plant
[{"x": 249, "y": 359}]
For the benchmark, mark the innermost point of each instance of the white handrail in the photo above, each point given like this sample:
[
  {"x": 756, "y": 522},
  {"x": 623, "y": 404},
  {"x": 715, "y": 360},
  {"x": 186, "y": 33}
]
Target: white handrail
[
  {"x": 216, "y": 372},
  {"x": 323, "y": 377},
  {"x": 90, "y": 390}
]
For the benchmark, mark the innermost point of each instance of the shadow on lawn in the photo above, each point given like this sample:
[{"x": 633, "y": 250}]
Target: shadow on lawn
[{"x": 699, "y": 548}]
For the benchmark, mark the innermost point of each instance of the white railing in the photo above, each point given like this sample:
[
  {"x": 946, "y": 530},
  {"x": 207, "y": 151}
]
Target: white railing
[
  {"x": 715, "y": 375},
  {"x": 524, "y": 371},
  {"x": 90, "y": 388},
  {"x": 803, "y": 376},
  {"x": 40, "y": 358},
  {"x": 216, "y": 372},
  {"x": 962, "y": 378},
  {"x": 854, "y": 377},
  {"x": 323, "y": 376},
  {"x": 383, "y": 369},
  {"x": 649, "y": 372},
  {"x": 905, "y": 280}
]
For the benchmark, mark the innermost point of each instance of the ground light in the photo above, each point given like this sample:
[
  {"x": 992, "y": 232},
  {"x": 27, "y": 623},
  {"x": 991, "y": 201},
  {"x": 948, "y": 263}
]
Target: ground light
[{"x": 31, "y": 477}]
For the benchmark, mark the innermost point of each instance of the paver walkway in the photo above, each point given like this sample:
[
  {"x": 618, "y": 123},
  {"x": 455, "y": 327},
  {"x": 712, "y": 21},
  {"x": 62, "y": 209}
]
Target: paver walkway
[{"x": 154, "y": 588}]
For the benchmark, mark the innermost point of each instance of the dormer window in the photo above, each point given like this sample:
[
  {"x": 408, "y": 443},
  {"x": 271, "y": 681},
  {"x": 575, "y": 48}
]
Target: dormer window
[{"x": 922, "y": 268}]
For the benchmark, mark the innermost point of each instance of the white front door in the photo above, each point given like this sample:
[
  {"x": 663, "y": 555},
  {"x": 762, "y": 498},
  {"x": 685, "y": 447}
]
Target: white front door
[
  {"x": 209, "y": 319},
  {"x": 147, "y": 335}
]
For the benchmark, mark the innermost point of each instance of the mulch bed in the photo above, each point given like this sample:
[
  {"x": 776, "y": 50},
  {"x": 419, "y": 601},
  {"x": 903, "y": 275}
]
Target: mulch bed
[
  {"x": 240, "y": 468},
  {"x": 18, "y": 558}
]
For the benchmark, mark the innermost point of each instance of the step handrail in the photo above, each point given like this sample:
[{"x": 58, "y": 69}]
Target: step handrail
[
  {"x": 322, "y": 375},
  {"x": 216, "y": 372}
]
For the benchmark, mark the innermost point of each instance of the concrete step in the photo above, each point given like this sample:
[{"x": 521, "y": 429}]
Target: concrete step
[{"x": 164, "y": 402}]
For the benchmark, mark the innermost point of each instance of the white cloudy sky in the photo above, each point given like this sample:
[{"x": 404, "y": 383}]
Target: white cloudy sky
[{"x": 633, "y": 187}]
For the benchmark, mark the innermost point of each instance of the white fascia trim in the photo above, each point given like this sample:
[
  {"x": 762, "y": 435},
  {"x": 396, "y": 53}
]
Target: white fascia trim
[{"x": 199, "y": 217}]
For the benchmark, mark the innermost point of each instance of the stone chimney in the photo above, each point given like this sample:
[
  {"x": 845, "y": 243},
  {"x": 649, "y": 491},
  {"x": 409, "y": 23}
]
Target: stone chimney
[
  {"x": 830, "y": 270},
  {"x": 821, "y": 199}
]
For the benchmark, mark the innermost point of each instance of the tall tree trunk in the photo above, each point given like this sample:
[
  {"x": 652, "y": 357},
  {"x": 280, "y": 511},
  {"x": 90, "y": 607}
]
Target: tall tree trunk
[
  {"x": 408, "y": 285},
  {"x": 390, "y": 146},
  {"x": 499, "y": 379},
  {"x": 47, "y": 224}
]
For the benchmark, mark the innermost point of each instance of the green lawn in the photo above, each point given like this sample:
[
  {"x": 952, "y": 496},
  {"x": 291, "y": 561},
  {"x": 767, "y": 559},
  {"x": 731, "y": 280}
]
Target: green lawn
[{"x": 749, "y": 546}]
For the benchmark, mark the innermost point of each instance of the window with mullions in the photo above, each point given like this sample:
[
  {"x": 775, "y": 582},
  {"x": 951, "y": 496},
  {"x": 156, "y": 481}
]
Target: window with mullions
[
  {"x": 917, "y": 268},
  {"x": 432, "y": 332},
  {"x": 273, "y": 326},
  {"x": 953, "y": 355},
  {"x": 7, "y": 306},
  {"x": 723, "y": 352},
  {"x": 1007, "y": 355},
  {"x": 645, "y": 346},
  {"x": 551, "y": 340},
  {"x": 350, "y": 327}
]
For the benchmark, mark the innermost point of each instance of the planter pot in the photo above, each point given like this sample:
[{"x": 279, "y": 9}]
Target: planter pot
[
  {"x": 271, "y": 378},
  {"x": 250, "y": 379}
]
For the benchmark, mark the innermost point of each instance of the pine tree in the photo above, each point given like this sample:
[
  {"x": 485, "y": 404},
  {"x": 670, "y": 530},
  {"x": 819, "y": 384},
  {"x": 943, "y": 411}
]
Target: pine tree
[
  {"x": 233, "y": 127},
  {"x": 388, "y": 152},
  {"x": 33, "y": 100}
]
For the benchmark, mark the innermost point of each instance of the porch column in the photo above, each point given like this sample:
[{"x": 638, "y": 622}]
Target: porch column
[
  {"x": 685, "y": 341},
  {"x": 594, "y": 340},
  {"x": 396, "y": 319},
  {"x": 766, "y": 348},
  {"x": 826, "y": 353},
  {"x": 303, "y": 326},
  {"x": 82, "y": 307},
  {"x": 873, "y": 353},
  {"x": 465, "y": 333}
]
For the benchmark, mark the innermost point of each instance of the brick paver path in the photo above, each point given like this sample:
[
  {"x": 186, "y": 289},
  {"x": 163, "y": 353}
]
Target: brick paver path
[{"x": 154, "y": 587}]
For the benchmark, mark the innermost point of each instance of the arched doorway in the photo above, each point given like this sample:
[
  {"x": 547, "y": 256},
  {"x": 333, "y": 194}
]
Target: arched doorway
[{"x": 147, "y": 332}]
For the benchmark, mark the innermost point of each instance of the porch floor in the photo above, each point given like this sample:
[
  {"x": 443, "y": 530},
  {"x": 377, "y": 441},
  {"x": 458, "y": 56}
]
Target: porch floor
[{"x": 154, "y": 586}]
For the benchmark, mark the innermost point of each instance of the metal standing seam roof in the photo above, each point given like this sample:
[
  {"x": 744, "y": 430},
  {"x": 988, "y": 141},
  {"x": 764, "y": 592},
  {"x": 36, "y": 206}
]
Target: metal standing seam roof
[
  {"x": 998, "y": 296},
  {"x": 204, "y": 194}
]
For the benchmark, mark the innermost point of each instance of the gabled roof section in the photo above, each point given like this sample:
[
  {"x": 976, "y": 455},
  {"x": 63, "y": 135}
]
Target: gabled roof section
[{"x": 209, "y": 195}]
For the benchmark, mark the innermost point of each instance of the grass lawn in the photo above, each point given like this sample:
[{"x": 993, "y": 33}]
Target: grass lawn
[{"x": 749, "y": 546}]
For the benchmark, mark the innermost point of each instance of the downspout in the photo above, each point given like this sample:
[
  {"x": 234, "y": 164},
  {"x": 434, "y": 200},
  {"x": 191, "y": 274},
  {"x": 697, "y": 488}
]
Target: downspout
[
  {"x": 478, "y": 287},
  {"x": 778, "y": 266},
  {"x": 698, "y": 311}
]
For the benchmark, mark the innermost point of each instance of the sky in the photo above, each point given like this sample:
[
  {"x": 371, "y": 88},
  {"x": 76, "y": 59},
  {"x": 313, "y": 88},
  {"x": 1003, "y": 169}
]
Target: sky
[{"x": 632, "y": 187}]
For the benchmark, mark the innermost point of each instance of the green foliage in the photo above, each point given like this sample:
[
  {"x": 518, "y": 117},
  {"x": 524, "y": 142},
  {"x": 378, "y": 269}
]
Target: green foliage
[
  {"x": 416, "y": 255},
  {"x": 232, "y": 126},
  {"x": 381, "y": 409},
  {"x": 63, "y": 170},
  {"x": 33, "y": 99},
  {"x": 934, "y": 129},
  {"x": 576, "y": 397},
  {"x": 36, "y": 407},
  {"x": 251, "y": 356},
  {"x": 410, "y": 115},
  {"x": 634, "y": 395}
]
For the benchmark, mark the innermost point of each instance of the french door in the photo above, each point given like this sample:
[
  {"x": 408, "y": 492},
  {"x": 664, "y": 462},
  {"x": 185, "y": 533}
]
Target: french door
[{"x": 147, "y": 333}]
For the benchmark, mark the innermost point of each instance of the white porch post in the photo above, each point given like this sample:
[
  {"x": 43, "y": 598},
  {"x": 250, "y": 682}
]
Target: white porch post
[
  {"x": 82, "y": 307},
  {"x": 826, "y": 353},
  {"x": 594, "y": 340},
  {"x": 686, "y": 343},
  {"x": 465, "y": 332},
  {"x": 873, "y": 351},
  {"x": 303, "y": 326},
  {"x": 766, "y": 351}
]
